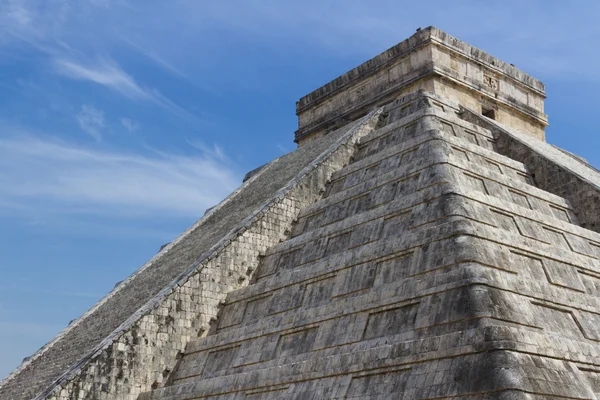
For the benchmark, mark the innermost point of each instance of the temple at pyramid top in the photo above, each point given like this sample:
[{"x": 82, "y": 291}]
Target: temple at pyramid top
[
  {"x": 423, "y": 242},
  {"x": 434, "y": 61}
]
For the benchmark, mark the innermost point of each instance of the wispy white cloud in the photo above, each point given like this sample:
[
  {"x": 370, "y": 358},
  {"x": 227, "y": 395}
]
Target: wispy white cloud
[
  {"x": 130, "y": 124},
  {"x": 57, "y": 177},
  {"x": 91, "y": 120},
  {"x": 106, "y": 73},
  {"x": 215, "y": 150},
  {"x": 154, "y": 56},
  {"x": 349, "y": 27},
  {"x": 14, "y": 15},
  {"x": 17, "y": 12},
  {"x": 549, "y": 38}
]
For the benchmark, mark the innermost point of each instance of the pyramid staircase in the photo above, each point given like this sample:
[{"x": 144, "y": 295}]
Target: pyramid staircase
[
  {"x": 410, "y": 248},
  {"x": 431, "y": 268}
]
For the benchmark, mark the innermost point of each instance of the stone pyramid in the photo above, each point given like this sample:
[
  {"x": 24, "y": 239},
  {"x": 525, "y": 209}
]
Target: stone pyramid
[{"x": 424, "y": 242}]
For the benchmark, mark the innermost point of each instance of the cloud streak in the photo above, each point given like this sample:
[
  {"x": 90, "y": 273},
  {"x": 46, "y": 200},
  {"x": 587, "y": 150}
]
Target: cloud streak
[
  {"x": 66, "y": 179},
  {"x": 106, "y": 73},
  {"x": 343, "y": 28},
  {"x": 152, "y": 55}
]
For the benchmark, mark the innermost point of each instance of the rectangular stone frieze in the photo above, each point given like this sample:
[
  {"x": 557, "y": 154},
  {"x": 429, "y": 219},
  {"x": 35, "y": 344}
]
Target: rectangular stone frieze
[
  {"x": 219, "y": 360},
  {"x": 355, "y": 279},
  {"x": 318, "y": 293},
  {"x": 394, "y": 269},
  {"x": 392, "y": 321},
  {"x": 373, "y": 385},
  {"x": 342, "y": 330}
]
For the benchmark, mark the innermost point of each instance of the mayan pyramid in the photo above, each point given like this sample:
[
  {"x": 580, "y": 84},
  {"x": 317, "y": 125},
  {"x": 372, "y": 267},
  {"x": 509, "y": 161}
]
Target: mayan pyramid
[{"x": 423, "y": 242}]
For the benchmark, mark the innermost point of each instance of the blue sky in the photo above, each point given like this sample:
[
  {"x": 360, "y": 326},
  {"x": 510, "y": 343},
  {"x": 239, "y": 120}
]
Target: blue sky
[{"x": 121, "y": 121}]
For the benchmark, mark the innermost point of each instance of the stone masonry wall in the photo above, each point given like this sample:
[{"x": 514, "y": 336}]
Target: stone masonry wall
[
  {"x": 142, "y": 356},
  {"x": 412, "y": 65},
  {"x": 141, "y": 352},
  {"x": 432, "y": 268},
  {"x": 552, "y": 169}
]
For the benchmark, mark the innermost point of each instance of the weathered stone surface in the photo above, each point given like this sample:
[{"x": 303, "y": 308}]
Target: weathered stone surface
[
  {"x": 422, "y": 252},
  {"x": 130, "y": 340},
  {"x": 429, "y": 60},
  {"x": 553, "y": 169},
  {"x": 467, "y": 281}
]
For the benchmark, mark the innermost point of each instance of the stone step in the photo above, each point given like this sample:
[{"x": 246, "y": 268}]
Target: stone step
[
  {"x": 341, "y": 276},
  {"x": 412, "y": 126},
  {"x": 334, "y": 278},
  {"x": 282, "y": 330},
  {"x": 490, "y": 253},
  {"x": 375, "y": 194},
  {"x": 485, "y": 210},
  {"x": 384, "y": 371},
  {"x": 524, "y": 275},
  {"x": 547, "y": 318},
  {"x": 428, "y": 236},
  {"x": 402, "y": 208},
  {"x": 361, "y": 324},
  {"x": 324, "y": 372},
  {"x": 287, "y": 282},
  {"x": 403, "y": 153}
]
